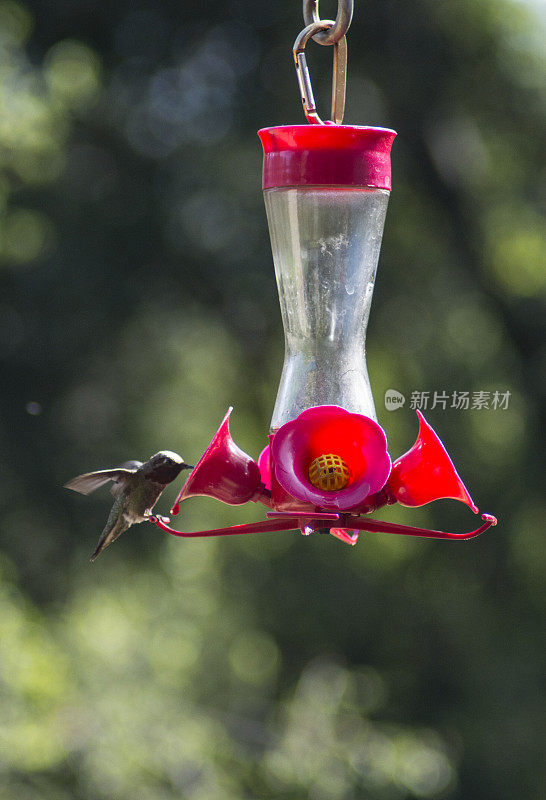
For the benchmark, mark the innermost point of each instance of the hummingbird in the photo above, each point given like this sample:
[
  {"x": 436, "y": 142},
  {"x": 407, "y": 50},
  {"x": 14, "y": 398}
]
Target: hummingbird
[{"x": 136, "y": 487}]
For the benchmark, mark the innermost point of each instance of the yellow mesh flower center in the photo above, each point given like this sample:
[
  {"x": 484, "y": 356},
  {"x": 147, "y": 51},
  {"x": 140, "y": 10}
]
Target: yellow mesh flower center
[{"x": 329, "y": 473}]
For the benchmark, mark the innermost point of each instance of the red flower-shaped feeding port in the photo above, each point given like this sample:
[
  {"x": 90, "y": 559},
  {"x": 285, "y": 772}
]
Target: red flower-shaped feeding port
[{"x": 329, "y": 445}]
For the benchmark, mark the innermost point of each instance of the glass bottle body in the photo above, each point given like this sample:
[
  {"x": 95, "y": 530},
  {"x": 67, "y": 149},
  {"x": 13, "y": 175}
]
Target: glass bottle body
[{"x": 326, "y": 244}]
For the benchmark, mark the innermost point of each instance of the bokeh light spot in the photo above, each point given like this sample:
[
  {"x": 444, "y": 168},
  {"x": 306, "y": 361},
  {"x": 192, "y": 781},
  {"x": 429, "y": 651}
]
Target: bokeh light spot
[
  {"x": 73, "y": 72},
  {"x": 254, "y": 657},
  {"x": 28, "y": 235},
  {"x": 16, "y": 23}
]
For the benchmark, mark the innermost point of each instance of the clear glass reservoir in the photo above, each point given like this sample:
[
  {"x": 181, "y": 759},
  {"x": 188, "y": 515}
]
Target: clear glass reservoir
[{"x": 325, "y": 243}]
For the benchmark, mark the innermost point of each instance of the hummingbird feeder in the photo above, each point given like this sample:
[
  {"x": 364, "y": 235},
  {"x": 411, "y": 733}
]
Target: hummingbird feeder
[{"x": 326, "y": 465}]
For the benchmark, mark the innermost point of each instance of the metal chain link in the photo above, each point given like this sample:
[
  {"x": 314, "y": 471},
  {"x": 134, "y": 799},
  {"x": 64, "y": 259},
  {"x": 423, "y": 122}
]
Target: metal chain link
[{"x": 341, "y": 25}]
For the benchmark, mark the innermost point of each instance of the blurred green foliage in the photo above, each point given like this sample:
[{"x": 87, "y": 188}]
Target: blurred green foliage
[{"x": 138, "y": 302}]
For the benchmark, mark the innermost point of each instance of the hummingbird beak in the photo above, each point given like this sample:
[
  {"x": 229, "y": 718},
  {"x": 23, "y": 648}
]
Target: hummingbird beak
[{"x": 188, "y": 466}]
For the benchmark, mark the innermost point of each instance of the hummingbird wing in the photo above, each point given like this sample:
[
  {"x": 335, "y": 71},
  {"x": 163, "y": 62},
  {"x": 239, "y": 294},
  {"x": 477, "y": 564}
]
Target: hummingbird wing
[
  {"x": 89, "y": 481},
  {"x": 120, "y": 484},
  {"x": 131, "y": 464},
  {"x": 117, "y": 523}
]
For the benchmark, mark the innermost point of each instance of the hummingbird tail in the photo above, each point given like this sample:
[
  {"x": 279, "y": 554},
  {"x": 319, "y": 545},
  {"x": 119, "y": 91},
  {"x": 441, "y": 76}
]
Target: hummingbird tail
[
  {"x": 109, "y": 535},
  {"x": 98, "y": 548}
]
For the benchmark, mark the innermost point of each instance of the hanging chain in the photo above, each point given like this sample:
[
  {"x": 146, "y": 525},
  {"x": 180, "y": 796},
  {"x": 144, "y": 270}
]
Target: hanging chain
[
  {"x": 324, "y": 31},
  {"x": 339, "y": 28}
]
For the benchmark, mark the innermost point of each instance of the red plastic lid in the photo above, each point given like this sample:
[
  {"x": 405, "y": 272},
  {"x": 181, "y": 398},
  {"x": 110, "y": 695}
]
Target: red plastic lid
[{"x": 327, "y": 155}]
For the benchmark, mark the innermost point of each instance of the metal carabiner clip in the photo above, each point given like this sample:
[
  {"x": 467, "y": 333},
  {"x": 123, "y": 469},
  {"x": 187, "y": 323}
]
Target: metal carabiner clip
[{"x": 339, "y": 77}]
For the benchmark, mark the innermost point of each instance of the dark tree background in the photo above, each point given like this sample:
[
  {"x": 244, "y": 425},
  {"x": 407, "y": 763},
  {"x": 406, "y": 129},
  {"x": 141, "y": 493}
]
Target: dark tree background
[{"x": 138, "y": 301}]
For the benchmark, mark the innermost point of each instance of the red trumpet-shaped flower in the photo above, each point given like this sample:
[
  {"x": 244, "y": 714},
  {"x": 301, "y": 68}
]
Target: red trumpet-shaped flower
[
  {"x": 331, "y": 458},
  {"x": 426, "y": 473}
]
